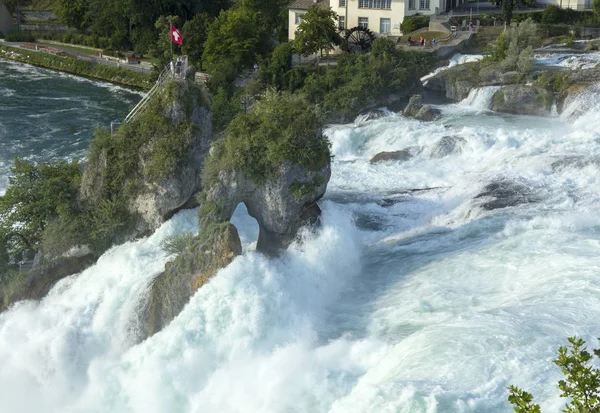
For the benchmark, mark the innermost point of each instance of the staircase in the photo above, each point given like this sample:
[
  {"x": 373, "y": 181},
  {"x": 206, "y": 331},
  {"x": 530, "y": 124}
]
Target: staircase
[
  {"x": 142, "y": 104},
  {"x": 164, "y": 76}
]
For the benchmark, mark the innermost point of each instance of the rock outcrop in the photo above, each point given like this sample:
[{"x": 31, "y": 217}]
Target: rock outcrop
[
  {"x": 158, "y": 196},
  {"x": 281, "y": 206},
  {"x": 523, "y": 100},
  {"x": 402, "y": 155},
  {"x": 34, "y": 285},
  {"x": 447, "y": 145},
  {"x": 416, "y": 109},
  {"x": 133, "y": 182},
  {"x": 504, "y": 193},
  {"x": 214, "y": 249},
  {"x": 276, "y": 161}
]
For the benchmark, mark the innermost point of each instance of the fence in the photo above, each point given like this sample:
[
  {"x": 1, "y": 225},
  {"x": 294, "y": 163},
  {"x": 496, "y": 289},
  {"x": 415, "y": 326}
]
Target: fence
[{"x": 175, "y": 72}]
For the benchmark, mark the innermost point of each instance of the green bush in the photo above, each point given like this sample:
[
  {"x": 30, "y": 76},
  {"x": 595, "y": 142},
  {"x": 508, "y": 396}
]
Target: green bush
[
  {"x": 38, "y": 194},
  {"x": 20, "y": 37},
  {"x": 414, "y": 22},
  {"x": 279, "y": 127},
  {"x": 358, "y": 79},
  {"x": 581, "y": 385},
  {"x": 552, "y": 14}
]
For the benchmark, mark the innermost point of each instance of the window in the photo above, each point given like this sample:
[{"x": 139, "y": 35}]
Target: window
[
  {"x": 385, "y": 25},
  {"x": 363, "y": 22},
  {"x": 411, "y": 4},
  {"x": 374, "y": 4},
  {"x": 341, "y": 22},
  {"x": 299, "y": 18},
  {"x": 342, "y": 3},
  {"x": 424, "y": 4}
]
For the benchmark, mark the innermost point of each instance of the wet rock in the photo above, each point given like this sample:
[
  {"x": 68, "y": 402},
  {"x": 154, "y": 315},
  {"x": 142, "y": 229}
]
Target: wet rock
[
  {"x": 447, "y": 146},
  {"x": 576, "y": 161},
  {"x": 402, "y": 155},
  {"x": 372, "y": 115},
  {"x": 416, "y": 109},
  {"x": 212, "y": 250},
  {"x": 427, "y": 113},
  {"x": 35, "y": 284},
  {"x": 414, "y": 105},
  {"x": 523, "y": 100},
  {"x": 506, "y": 193},
  {"x": 278, "y": 208}
]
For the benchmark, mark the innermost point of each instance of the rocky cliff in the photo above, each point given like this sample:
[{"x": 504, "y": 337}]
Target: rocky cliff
[
  {"x": 134, "y": 180},
  {"x": 161, "y": 151},
  {"x": 276, "y": 161}
]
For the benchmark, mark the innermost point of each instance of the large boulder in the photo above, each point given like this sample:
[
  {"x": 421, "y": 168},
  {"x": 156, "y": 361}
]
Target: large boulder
[
  {"x": 523, "y": 100},
  {"x": 402, "y": 155},
  {"x": 447, "y": 145},
  {"x": 427, "y": 113},
  {"x": 213, "y": 249},
  {"x": 276, "y": 160},
  {"x": 503, "y": 193},
  {"x": 281, "y": 206},
  {"x": 417, "y": 110},
  {"x": 415, "y": 103}
]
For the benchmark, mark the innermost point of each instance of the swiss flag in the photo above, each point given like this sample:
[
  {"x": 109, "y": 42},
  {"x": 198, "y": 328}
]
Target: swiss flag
[{"x": 176, "y": 37}]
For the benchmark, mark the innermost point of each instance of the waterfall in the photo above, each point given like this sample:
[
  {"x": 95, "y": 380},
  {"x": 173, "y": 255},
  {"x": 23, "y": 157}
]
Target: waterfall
[
  {"x": 582, "y": 108},
  {"x": 480, "y": 98}
]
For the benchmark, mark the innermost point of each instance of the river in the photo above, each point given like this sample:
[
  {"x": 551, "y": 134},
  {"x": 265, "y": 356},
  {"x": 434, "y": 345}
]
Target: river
[
  {"x": 432, "y": 285},
  {"x": 46, "y": 115}
]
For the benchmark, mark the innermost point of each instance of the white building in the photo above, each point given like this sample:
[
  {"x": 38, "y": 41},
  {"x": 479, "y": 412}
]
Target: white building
[
  {"x": 568, "y": 4},
  {"x": 379, "y": 16}
]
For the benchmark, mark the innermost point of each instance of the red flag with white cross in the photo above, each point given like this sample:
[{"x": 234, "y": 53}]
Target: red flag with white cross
[{"x": 176, "y": 37}]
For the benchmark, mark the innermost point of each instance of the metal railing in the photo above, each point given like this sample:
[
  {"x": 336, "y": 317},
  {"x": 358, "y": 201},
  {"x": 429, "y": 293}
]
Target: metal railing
[{"x": 167, "y": 73}]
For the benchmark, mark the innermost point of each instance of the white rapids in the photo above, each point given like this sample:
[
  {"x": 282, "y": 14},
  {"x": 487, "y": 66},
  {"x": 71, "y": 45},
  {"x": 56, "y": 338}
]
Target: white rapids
[{"x": 411, "y": 297}]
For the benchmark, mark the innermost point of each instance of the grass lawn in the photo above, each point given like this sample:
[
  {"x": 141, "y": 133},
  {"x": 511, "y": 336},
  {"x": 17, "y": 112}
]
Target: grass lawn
[{"x": 429, "y": 36}]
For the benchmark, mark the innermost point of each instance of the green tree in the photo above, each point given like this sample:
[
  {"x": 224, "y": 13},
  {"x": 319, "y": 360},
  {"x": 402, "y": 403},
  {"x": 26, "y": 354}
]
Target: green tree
[
  {"x": 317, "y": 31},
  {"x": 161, "y": 50},
  {"x": 73, "y": 13},
  {"x": 507, "y": 10},
  {"x": 275, "y": 71},
  {"x": 37, "y": 195},
  {"x": 552, "y": 15},
  {"x": 522, "y": 401},
  {"x": 272, "y": 14},
  {"x": 581, "y": 384},
  {"x": 235, "y": 37},
  {"x": 112, "y": 19},
  {"x": 195, "y": 33},
  {"x": 596, "y": 9}
]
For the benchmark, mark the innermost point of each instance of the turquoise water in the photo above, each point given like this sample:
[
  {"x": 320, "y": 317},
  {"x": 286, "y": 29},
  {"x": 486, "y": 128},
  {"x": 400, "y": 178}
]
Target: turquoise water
[
  {"x": 403, "y": 301},
  {"x": 48, "y": 115}
]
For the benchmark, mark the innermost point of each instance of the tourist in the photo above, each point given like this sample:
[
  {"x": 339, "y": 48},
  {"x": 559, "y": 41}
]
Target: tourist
[
  {"x": 178, "y": 66},
  {"x": 172, "y": 66},
  {"x": 422, "y": 41},
  {"x": 409, "y": 41},
  {"x": 433, "y": 43}
]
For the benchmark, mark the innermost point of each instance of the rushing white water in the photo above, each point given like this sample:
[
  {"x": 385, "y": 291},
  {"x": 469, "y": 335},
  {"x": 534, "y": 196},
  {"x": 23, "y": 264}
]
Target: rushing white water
[
  {"x": 404, "y": 301},
  {"x": 569, "y": 60},
  {"x": 456, "y": 59},
  {"x": 481, "y": 98}
]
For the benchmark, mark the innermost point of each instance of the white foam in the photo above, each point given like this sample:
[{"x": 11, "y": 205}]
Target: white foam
[
  {"x": 481, "y": 98},
  {"x": 457, "y": 59}
]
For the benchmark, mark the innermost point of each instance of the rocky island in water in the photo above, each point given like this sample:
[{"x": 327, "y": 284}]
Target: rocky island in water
[{"x": 388, "y": 233}]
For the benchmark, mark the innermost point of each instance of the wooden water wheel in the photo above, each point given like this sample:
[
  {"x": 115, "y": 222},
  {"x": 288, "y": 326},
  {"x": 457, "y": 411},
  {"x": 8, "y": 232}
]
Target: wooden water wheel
[{"x": 359, "y": 39}]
